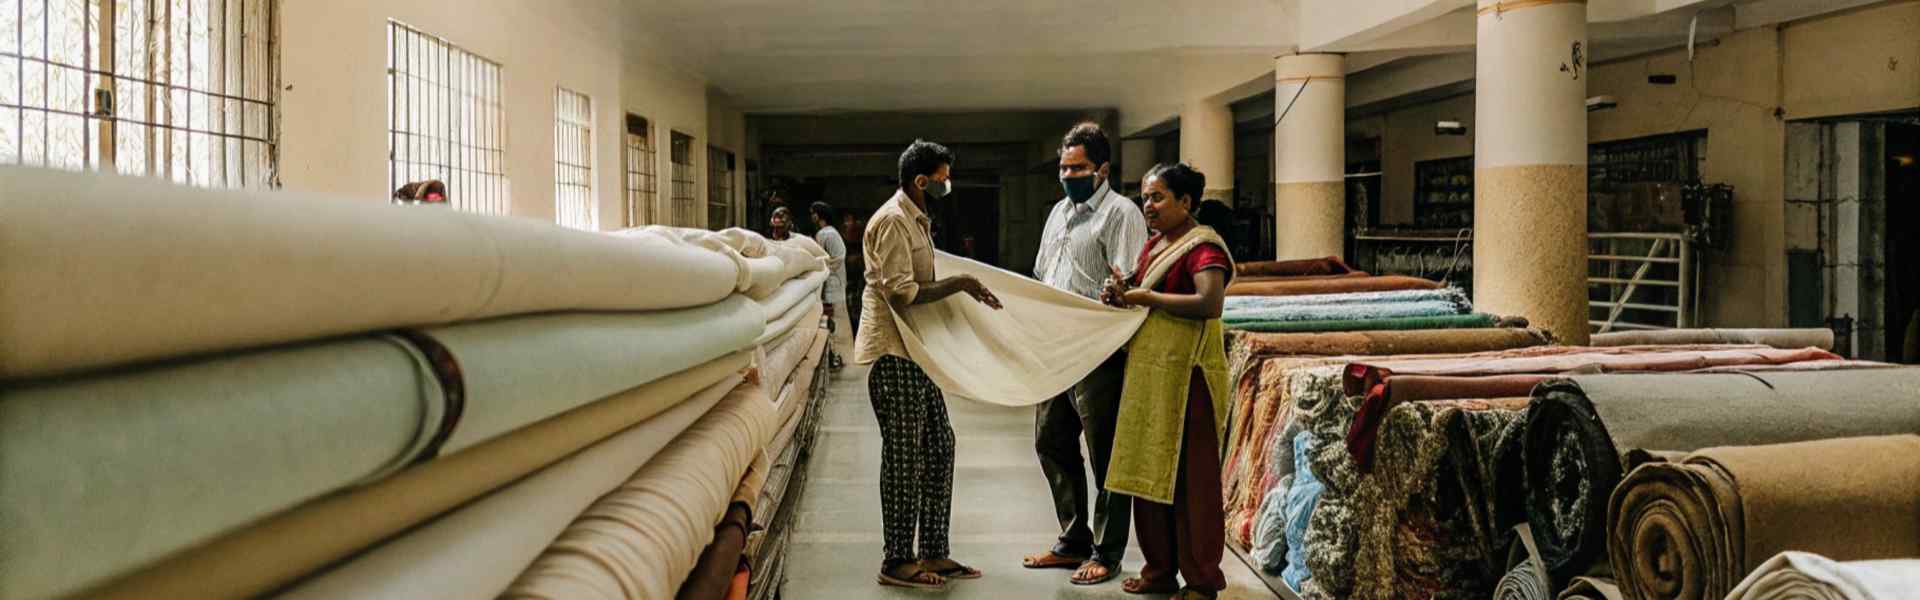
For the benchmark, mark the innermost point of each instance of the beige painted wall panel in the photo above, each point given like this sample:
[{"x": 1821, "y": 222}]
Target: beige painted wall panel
[
  {"x": 1854, "y": 62},
  {"x": 1408, "y": 138},
  {"x": 1532, "y": 111},
  {"x": 1530, "y": 247},
  {"x": 334, "y": 97},
  {"x": 1310, "y": 219}
]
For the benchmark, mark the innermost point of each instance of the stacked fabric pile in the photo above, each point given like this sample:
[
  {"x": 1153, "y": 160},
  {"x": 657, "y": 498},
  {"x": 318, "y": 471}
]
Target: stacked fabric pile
[
  {"x": 1408, "y": 476},
  {"x": 1326, "y": 295},
  {"x": 236, "y": 393},
  {"x": 1261, "y": 425}
]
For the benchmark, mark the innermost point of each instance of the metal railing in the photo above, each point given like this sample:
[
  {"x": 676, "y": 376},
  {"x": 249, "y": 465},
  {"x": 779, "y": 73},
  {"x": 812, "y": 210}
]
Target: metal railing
[{"x": 1646, "y": 279}]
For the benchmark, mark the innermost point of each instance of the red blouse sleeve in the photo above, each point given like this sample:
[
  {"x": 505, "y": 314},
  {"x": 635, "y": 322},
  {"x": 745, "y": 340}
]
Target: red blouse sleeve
[{"x": 1209, "y": 256}]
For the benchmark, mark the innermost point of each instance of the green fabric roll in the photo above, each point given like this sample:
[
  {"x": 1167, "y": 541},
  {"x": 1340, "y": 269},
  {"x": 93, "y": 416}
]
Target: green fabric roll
[
  {"x": 525, "y": 369},
  {"x": 1403, "y": 323},
  {"x": 104, "y": 473}
]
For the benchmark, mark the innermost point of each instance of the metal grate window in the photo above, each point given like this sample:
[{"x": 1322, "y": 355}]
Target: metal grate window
[
  {"x": 719, "y": 189},
  {"x": 445, "y": 120},
  {"x": 682, "y": 206},
  {"x": 642, "y": 186},
  {"x": 181, "y": 89},
  {"x": 573, "y": 160}
]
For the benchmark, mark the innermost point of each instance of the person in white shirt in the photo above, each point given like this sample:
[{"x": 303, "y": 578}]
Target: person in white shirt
[
  {"x": 834, "y": 292},
  {"x": 1092, "y": 233}
]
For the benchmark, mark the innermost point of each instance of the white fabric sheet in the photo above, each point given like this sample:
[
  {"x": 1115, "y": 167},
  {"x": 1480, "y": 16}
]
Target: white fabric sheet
[
  {"x": 1043, "y": 342},
  {"x": 1800, "y": 575}
]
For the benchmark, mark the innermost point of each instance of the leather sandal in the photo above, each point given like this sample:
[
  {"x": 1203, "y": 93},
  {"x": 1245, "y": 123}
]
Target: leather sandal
[
  {"x": 1052, "y": 560},
  {"x": 1110, "y": 572},
  {"x": 911, "y": 575}
]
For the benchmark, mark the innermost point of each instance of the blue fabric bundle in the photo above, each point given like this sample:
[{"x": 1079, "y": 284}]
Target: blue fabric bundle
[
  {"x": 1301, "y": 500},
  {"x": 1270, "y": 529}
]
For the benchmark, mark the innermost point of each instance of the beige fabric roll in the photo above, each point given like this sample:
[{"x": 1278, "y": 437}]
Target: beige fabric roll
[
  {"x": 1693, "y": 529},
  {"x": 785, "y": 356},
  {"x": 245, "y": 268},
  {"x": 1778, "y": 338},
  {"x": 794, "y": 395},
  {"x": 100, "y": 474},
  {"x": 641, "y": 540},
  {"x": 1043, "y": 342},
  {"x": 792, "y": 293},
  {"x": 752, "y": 482},
  {"x": 475, "y": 552},
  {"x": 807, "y": 314},
  {"x": 275, "y": 551}
]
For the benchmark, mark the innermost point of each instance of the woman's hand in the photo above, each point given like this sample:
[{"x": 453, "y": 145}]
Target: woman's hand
[
  {"x": 1113, "y": 291},
  {"x": 1137, "y": 297}
]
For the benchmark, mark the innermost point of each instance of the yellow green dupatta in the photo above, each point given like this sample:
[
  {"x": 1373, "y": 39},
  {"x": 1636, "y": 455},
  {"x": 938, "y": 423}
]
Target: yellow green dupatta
[{"x": 1153, "y": 404}]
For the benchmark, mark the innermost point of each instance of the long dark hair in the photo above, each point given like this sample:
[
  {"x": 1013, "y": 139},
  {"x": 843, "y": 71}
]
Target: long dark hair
[{"x": 1182, "y": 179}]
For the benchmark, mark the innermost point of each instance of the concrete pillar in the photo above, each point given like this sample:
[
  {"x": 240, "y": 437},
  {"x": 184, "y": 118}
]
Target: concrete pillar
[
  {"x": 1530, "y": 164},
  {"x": 1206, "y": 143},
  {"x": 1310, "y": 156}
]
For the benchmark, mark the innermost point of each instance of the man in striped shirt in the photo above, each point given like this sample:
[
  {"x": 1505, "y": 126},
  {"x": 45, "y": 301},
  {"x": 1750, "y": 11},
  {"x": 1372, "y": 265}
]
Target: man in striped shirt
[{"x": 1091, "y": 233}]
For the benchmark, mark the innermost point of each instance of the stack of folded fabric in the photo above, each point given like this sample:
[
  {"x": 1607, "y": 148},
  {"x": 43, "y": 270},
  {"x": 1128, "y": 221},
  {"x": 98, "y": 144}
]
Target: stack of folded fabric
[
  {"x": 1796, "y": 575},
  {"x": 259, "y": 385}
]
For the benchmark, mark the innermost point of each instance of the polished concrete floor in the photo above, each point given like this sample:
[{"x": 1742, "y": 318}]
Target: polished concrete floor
[{"x": 1001, "y": 510}]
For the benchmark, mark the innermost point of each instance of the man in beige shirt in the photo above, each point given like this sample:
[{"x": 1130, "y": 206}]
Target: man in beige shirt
[{"x": 916, "y": 453}]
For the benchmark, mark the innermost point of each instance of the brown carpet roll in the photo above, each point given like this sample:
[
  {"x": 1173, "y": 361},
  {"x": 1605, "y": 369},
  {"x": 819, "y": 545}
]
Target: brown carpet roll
[
  {"x": 281, "y": 548},
  {"x": 1778, "y": 338},
  {"x": 1695, "y": 528},
  {"x": 1376, "y": 343},
  {"x": 1333, "y": 285},
  {"x": 1331, "y": 265}
]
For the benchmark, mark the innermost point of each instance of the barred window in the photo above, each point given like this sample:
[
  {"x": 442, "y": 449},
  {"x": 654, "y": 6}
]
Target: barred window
[
  {"x": 719, "y": 189},
  {"x": 445, "y": 120},
  {"x": 179, "y": 89},
  {"x": 642, "y": 189},
  {"x": 682, "y": 206},
  {"x": 573, "y": 160}
]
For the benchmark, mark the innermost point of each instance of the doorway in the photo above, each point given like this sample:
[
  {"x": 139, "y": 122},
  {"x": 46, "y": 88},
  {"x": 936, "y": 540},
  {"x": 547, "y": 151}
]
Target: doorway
[{"x": 1902, "y": 250}]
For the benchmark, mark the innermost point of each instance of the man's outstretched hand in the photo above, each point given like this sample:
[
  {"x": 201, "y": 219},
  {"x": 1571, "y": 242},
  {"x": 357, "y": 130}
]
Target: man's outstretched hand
[{"x": 972, "y": 287}]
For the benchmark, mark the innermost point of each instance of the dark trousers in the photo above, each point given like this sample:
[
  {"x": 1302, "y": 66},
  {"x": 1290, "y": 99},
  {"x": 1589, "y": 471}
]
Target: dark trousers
[
  {"x": 916, "y": 459},
  {"x": 1189, "y": 536},
  {"x": 1090, "y": 408}
]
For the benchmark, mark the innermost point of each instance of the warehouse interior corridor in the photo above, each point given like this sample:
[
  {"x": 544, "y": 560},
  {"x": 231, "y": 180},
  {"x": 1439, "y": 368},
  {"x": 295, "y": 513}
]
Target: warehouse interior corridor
[{"x": 777, "y": 300}]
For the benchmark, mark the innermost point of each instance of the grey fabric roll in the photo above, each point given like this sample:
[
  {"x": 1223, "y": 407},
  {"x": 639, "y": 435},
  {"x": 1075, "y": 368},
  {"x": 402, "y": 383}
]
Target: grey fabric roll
[
  {"x": 525, "y": 369},
  {"x": 248, "y": 268},
  {"x": 104, "y": 473},
  {"x": 1778, "y": 338},
  {"x": 1578, "y": 429},
  {"x": 476, "y": 551}
]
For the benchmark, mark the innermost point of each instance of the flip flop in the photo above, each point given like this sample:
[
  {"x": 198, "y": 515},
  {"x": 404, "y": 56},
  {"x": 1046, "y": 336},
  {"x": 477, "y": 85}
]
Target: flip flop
[
  {"x": 957, "y": 571},
  {"x": 916, "y": 578},
  {"x": 1052, "y": 560},
  {"x": 1112, "y": 572}
]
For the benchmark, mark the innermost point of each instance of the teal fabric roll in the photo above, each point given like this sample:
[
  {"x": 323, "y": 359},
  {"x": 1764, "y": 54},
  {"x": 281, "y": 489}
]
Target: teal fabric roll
[
  {"x": 525, "y": 369},
  {"x": 105, "y": 473},
  {"x": 1402, "y": 323}
]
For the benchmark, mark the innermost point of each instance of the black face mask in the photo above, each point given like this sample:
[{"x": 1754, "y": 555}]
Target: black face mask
[{"x": 1079, "y": 189}]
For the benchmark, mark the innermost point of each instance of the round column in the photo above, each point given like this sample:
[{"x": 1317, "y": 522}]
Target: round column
[
  {"x": 1310, "y": 156},
  {"x": 1206, "y": 143},
  {"x": 1530, "y": 164}
]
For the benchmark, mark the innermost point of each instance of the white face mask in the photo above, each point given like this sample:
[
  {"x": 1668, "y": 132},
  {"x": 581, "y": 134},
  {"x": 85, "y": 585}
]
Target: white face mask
[{"x": 938, "y": 188}]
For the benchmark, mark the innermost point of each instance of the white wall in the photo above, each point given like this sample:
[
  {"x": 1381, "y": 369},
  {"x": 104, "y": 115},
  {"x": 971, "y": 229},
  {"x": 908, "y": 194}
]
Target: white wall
[{"x": 333, "y": 135}]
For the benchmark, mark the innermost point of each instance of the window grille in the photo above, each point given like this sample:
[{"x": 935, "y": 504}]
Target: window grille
[
  {"x": 642, "y": 187},
  {"x": 573, "y": 160},
  {"x": 445, "y": 120},
  {"x": 719, "y": 189},
  {"x": 178, "y": 89},
  {"x": 683, "y": 201}
]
